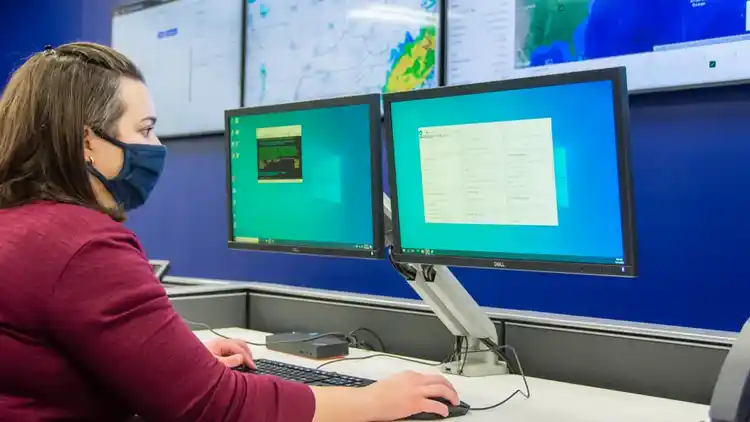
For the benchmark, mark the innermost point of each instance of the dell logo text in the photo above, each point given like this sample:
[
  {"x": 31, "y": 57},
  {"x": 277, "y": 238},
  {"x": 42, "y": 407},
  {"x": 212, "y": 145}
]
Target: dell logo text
[{"x": 498, "y": 264}]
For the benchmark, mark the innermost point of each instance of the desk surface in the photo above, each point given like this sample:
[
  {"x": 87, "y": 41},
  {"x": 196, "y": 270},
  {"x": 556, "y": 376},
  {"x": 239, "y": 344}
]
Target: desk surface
[{"x": 550, "y": 401}]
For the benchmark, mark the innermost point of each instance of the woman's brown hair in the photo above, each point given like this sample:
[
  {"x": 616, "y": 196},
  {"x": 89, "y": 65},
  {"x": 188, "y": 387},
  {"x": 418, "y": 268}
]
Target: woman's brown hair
[{"x": 44, "y": 112}]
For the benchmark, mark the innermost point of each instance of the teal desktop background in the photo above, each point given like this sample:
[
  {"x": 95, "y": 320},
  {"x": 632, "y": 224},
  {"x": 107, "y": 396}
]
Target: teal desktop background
[
  {"x": 586, "y": 173},
  {"x": 333, "y": 204}
]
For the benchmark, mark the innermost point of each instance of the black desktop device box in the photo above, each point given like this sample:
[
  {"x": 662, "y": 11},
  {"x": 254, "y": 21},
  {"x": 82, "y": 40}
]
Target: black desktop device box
[{"x": 308, "y": 345}]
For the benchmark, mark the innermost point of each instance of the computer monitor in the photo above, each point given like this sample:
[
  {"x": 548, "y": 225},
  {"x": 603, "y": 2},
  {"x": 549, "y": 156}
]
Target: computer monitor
[
  {"x": 525, "y": 174},
  {"x": 306, "y": 177}
]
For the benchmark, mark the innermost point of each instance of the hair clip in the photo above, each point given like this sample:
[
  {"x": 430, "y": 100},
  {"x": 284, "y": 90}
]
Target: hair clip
[{"x": 48, "y": 50}]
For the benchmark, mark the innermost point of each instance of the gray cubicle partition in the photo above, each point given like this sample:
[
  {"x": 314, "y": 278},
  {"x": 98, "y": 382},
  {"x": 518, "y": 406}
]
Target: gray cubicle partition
[
  {"x": 212, "y": 305},
  {"x": 668, "y": 362}
]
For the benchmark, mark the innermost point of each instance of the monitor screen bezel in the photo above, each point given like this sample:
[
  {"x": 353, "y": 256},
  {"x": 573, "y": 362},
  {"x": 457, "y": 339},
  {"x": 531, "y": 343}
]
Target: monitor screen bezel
[
  {"x": 376, "y": 177},
  {"x": 617, "y": 77}
]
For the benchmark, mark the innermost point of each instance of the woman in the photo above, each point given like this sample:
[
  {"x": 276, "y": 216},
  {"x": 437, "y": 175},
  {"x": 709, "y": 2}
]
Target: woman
[{"x": 86, "y": 331}]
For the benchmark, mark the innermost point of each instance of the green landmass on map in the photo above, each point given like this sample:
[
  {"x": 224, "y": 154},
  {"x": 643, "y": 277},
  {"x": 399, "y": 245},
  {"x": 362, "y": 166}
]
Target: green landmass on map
[
  {"x": 415, "y": 63},
  {"x": 540, "y": 23}
]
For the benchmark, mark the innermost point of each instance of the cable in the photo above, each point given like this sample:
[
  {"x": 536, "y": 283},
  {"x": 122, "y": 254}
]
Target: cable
[
  {"x": 449, "y": 358},
  {"x": 465, "y": 353},
  {"x": 313, "y": 337},
  {"x": 379, "y": 355},
  {"x": 216, "y": 333},
  {"x": 407, "y": 271},
  {"x": 371, "y": 332},
  {"x": 497, "y": 349}
]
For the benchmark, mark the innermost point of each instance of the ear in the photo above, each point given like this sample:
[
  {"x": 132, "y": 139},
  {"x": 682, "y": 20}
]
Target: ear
[{"x": 88, "y": 136}]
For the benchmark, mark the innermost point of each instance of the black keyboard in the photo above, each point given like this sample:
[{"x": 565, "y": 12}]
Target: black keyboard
[{"x": 304, "y": 375}]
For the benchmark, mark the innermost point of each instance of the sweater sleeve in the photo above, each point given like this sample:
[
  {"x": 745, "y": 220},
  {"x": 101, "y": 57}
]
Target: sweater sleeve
[{"x": 112, "y": 317}]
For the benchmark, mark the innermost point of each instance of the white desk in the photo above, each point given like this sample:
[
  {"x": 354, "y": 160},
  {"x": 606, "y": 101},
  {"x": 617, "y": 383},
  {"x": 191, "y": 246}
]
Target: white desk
[{"x": 550, "y": 401}]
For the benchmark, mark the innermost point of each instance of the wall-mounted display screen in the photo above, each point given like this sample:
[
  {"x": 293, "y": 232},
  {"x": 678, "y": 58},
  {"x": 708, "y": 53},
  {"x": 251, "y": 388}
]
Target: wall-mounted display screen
[
  {"x": 190, "y": 54},
  {"x": 663, "y": 44},
  {"x": 302, "y": 50}
]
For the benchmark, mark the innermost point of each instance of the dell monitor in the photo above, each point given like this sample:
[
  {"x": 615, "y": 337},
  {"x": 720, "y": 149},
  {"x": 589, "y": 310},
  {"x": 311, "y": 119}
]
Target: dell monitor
[
  {"x": 306, "y": 177},
  {"x": 525, "y": 174}
]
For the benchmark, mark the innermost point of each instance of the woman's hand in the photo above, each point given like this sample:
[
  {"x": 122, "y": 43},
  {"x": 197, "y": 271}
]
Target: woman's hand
[
  {"x": 409, "y": 393},
  {"x": 231, "y": 352},
  {"x": 394, "y": 398}
]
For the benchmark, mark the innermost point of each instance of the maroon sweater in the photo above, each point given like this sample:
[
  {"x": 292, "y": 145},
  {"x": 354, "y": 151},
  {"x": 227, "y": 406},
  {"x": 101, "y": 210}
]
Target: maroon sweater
[{"x": 87, "y": 333}]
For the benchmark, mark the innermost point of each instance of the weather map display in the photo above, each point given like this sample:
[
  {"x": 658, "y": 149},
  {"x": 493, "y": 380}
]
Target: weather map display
[
  {"x": 193, "y": 72},
  {"x": 708, "y": 41},
  {"x": 300, "y": 50}
]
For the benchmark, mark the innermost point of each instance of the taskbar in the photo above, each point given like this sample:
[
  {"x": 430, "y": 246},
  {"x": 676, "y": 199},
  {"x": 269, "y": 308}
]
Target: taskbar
[
  {"x": 512, "y": 256},
  {"x": 303, "y": 244}
]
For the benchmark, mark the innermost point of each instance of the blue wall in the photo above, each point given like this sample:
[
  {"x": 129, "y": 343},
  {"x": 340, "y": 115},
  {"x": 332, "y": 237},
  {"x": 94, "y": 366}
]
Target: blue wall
[
  {"x": 28, "y": 25},
  {"x": 691, "y": 156}
]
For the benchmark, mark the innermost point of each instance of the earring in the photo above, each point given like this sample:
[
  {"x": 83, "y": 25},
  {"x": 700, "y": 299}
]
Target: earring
[{"x": 90, "y": 160}]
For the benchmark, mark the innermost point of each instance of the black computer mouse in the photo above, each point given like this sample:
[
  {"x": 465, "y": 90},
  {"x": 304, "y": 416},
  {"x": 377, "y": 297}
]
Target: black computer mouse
[{"x": 453, "y": 411}]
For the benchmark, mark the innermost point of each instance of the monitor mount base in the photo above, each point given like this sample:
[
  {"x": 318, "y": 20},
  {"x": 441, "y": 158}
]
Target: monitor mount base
[{"x": 476, "y": 361}]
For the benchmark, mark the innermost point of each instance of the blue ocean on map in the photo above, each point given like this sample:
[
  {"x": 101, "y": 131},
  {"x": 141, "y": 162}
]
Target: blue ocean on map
[{"x": 620, "y": 27}]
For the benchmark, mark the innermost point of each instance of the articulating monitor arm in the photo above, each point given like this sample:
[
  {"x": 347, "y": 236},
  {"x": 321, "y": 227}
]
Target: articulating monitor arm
[{"x": 456, "y": 309}]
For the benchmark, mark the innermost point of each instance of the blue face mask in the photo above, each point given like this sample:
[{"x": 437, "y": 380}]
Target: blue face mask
[{"x": 141, "y": 167}]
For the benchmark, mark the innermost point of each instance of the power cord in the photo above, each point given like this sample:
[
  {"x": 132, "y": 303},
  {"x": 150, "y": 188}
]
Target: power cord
[
  {"x": 461, "y": 350},
  {"x": 378, "y": 355},
  {"x": 350, "y": 337},
  {"x": 216, "y": 333},
  {"x": 497, "y": 349},
  {"x": 354, "y": 342},
  {"x": 454, "y": 354}
]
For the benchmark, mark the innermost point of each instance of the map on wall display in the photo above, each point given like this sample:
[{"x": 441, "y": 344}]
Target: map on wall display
[
  {"x": 707, "y": 40},
  {"x": 300, "y": 50}
]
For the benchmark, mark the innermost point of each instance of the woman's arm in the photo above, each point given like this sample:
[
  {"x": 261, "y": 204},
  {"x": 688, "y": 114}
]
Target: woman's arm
[
  {"x": 341, "y": 404},
  {"x": 113, "y": 319}
]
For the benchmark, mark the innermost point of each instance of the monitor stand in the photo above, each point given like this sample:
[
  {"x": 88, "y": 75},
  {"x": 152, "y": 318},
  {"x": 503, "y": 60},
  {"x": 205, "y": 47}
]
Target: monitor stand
[
  {"x": 460, "y": 313},
  {"x": 456, "y": 309}
]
